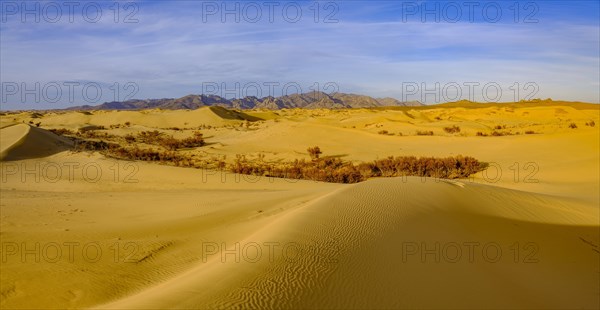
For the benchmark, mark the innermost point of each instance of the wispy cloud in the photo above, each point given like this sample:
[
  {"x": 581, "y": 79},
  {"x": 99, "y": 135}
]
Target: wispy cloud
[{"x": 170, "y": 52}]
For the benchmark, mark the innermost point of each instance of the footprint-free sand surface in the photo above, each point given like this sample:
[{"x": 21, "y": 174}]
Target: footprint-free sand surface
[{"x": 80, "y": 230}]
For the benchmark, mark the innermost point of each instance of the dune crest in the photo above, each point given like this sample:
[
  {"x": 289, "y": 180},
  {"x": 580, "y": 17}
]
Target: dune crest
[
  {"x": 22, "y": 141},
  {"x": 362, "y": 247}
]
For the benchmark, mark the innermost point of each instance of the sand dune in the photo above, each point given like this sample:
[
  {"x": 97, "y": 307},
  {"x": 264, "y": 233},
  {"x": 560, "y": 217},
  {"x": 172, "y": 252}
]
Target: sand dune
[
  {"x": 213, "y": 116},
  {"x": 175, "y": 237},
  {"x": 23, "y": 141},
  {"x": 362, "y": 247}
]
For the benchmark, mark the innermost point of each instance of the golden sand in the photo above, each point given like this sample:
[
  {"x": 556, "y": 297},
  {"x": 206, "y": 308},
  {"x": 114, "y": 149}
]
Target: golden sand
[{"x": 80, "y": 230}]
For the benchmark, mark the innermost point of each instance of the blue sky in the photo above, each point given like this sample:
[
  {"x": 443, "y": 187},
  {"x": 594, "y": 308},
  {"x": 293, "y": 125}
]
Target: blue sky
[{"x": 168, "y": 49}]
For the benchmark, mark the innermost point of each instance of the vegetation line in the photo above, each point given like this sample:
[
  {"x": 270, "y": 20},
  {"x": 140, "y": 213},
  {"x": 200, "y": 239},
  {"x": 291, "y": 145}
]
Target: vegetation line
[{"x": 166, "y": 150}]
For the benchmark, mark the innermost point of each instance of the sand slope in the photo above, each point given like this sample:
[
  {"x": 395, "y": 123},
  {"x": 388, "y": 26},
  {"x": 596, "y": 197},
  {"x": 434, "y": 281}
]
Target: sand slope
[
  {"x": 22, "y": 141},
  {"x": 353, "y": 254},
  {"x": 213, "y": 116},
  {"x": 530, "y": 239}
]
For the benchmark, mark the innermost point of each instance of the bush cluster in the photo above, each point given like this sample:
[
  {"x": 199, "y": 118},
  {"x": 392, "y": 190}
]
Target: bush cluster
[
  {"x": 158, "y": 138},
  {"x": 114, "y": 150},
  {"x": 336, "y": 170},
  {"x": 495, "y": 133},
  {"x": 452, "y": 129},
  {"x": 332, "y": 170},
  {"x": 448, "y": 167},
  {"x": 424, "y": 133},
  {"x": 62, "y": 131},
  {"x": 136, "y": 153},
  {"x": 93, "y": 145},
  {"x": 327, "y": 169}
]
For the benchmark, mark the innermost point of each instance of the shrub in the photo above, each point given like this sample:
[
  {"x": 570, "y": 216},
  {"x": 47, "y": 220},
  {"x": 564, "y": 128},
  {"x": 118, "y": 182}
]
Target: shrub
[
  {"x": 129, "y": 138},
  {"x": 591, "y": 124},
  {"x": 424, "y": 133},
  {"x": 481, "y": 134},
  {"x": 195, "y": 140},
  {"x": 498, "y": 127},
  {"x": 452, "y": 129},
  {"x": 383, "y": 132},
  {"x": 170, "y": 143},
  {"x": 91, "y": 127},
  {"x": 137, "y": 153},
  {"x": 314, "y": 152},
  {"x": 158, "y": 138},
  {"x": 151, "y": 137},
  {"x": 529, "y": 132},
  {"x": 94, "y": 134},
  {"x": 92, "y": 145},
  {"x": 337, "y": 171},
  {"x": 573, "y": 126},
  {"x": 449, "y": 167},
  {"x": 62, "y": 131}
]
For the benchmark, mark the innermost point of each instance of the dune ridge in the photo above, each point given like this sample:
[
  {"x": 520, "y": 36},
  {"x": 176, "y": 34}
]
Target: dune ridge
[
  {"x": 382, "y": 243},
  {"x": 341, "y": 237},
  {"x": 22, "y": 141}
]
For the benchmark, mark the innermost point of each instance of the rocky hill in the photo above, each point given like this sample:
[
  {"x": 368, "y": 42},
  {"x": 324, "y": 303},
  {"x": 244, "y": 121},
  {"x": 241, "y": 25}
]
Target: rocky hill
[{"x": 311, "y": 100}]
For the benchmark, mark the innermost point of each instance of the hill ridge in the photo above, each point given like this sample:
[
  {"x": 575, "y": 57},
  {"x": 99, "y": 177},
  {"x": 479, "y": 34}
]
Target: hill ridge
[{"x": 310, "y": 100}]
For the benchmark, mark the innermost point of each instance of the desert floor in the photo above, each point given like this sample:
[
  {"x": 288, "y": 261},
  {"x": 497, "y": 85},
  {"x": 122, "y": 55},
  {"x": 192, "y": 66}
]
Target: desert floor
[{"x": 80, "y": 230}]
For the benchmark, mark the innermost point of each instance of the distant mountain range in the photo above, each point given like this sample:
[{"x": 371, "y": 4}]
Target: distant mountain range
[{"x": 311, "y": 100}]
